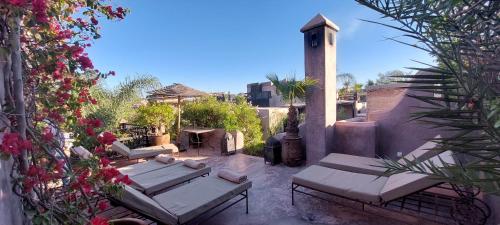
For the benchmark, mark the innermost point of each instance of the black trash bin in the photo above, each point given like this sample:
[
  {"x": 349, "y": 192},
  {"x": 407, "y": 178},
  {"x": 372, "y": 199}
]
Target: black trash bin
[{"x": 272, "y": 151}]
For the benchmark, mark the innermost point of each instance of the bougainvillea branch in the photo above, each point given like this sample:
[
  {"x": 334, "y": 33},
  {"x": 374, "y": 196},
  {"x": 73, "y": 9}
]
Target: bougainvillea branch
[{"x": 46, "y": 77}]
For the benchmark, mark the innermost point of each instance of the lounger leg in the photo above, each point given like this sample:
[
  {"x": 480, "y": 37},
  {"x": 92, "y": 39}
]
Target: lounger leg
[
  {"x": 293, "y": 202},
  {"x": 246, "y": 200}
]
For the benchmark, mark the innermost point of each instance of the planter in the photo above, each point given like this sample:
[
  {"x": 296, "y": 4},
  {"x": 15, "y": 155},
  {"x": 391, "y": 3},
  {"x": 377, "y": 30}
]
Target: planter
[
  {"x": 160, "y": 139},
  {"x": 291, "y": 151}
]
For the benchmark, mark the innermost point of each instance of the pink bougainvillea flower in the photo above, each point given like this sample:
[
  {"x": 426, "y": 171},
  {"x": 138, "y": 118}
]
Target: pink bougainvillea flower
[
  {"x": 89, "y": 131},
  {"x": 123, "y": 179},
  {"x": 106, "y": 138},
  {"x": 85, "y": 62},
  {"x": 40, "y": 11},
  {"x": 47, "y": 135},
  {"x": 12, "y": 144},
  {"x": 99, "y": 221},
  {"x": 16, "y": 2},
  {"x": 99, "y": 149},
  {"x": 94, "y": 21},
  {"x": 102, "y": 205},
  {"x": 95, "y": 123},
  {"x": 105, "y": 161}
]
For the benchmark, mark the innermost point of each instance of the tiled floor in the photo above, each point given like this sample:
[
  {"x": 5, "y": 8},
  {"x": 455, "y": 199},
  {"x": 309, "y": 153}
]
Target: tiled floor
[{"x": 270, "y": 198}]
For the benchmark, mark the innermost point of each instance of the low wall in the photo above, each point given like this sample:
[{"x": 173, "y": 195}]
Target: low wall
[
  {"x": 355, "y": 137},
  {"x": 270, "y": 117},
  {"x": 213, "y": 139}
]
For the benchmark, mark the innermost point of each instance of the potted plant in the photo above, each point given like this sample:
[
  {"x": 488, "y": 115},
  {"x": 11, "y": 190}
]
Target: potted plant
[
  {"x": 290, "y": 89},
  {"x": 158, "y": 117}
]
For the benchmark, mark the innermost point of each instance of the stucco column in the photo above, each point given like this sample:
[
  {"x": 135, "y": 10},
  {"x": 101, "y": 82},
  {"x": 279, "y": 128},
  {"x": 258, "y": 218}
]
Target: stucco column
[{"x": 321, "y": 102}]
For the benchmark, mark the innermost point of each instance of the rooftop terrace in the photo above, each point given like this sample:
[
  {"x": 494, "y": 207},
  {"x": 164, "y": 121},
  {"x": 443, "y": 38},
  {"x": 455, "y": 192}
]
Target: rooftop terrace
[{"x": 270, "y": 198}]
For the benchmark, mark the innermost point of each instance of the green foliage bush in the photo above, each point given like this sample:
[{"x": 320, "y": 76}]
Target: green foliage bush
[
  {"x": 117, "y": 103},
  {"x": 155, "y": 116},
  {"x": 256, "y": 149},
  {"x": 209, "y": 112}
]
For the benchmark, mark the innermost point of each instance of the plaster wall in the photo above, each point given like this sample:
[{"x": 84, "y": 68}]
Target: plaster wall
[
  {"x": 391, "y": 109},
  {"x": 270, "y": 117},
  {"x": 355, "y": 138}
]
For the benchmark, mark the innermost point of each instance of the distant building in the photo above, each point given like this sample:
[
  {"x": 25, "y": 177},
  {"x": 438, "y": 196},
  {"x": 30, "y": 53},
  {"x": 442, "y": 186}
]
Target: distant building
[
  {"x": 223, "y": 97},
  {"x": 264, "y": 95}
]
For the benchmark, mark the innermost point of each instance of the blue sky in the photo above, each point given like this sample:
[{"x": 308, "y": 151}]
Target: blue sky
[{"x": 222, "y": 45}]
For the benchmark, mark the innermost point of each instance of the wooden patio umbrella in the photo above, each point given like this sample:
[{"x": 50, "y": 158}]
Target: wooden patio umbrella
[{"x": 178, "y": 91}]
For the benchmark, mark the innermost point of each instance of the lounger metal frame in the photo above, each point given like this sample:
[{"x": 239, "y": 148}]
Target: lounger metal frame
[
  {"x": 418, "y": 202},
  {"x": 243, "y": 194}
]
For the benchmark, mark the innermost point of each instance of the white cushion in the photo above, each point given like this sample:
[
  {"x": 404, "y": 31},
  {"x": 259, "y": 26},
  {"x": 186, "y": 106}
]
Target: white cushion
[{"x": 82, "y": 152}]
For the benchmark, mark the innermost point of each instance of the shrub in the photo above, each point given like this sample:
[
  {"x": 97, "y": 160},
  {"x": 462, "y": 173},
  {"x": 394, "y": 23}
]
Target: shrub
[
  {"x": 254, "y": 149},
  {"x": 155, "y": 116},
  {"x": 209, "y": 112}
]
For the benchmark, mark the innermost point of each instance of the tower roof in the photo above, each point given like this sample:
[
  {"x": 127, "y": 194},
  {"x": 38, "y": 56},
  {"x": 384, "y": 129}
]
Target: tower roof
[{"x": 318, "y": 21}]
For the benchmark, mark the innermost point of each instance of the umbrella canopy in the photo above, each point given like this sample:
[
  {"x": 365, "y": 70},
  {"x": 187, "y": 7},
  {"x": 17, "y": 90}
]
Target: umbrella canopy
[
  {"x": 178, "y": 91},
  {"x": 175, "y": 90}
]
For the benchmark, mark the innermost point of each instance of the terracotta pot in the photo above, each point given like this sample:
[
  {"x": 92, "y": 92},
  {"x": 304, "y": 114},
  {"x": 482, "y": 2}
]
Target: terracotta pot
[
  {"x": 160, "y": 139},
  {"x": 291, "y": 151}
]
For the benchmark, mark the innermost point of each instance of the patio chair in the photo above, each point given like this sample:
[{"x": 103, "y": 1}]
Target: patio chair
[
  {"x": 366, "y": 188},
  {"x": 373, "y": 166},
  {"x": 188, "y": 202},
  {"x": 140, "y": 153},
  {"x": 160, "y": 179}
]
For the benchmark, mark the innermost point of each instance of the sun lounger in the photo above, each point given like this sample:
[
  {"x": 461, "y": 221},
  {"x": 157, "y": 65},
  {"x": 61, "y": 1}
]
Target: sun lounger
[
  {"x": 365, "y": 188},
  {"x": 140, "y": 153},
  {"x": 188, "y": 202},
  {"x": 373, "y": 166},
  {"x": 81, "y": 152},
  {"x": 144, "y": 167},
  {"x": 160, "y": 179}
]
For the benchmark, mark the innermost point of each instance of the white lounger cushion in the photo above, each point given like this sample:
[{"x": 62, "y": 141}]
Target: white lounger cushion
[
  {"x": 367, "y": 165},
  {"x": 352, "y": 163},
  {"x": 193, "y": 199},
  {"x": 120, "y": 148},
  {"x": 358, "y": 186},
  {"x": 142, "y": 203},
  {"x": 139, "y": 153},
  {"x": 144, "y": 167},
  {"x": 163, "y": 178},
  {"x": 402, "y": 184},
  {"x": 423, "y": 152}
]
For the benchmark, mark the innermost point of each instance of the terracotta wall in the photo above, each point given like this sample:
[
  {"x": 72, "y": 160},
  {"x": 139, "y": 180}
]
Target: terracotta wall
[{"x": 390, "y": 107}]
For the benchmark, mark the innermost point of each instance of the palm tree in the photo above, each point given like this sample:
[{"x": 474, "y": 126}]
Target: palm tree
[
  {"x": 118, "y": 103},
  {"x": 291, "y": 89}
]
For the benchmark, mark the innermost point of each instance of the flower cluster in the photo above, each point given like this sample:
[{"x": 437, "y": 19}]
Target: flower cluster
[
  {"x": 59, "y": 74},
  {"x": 12, "y": 144}
]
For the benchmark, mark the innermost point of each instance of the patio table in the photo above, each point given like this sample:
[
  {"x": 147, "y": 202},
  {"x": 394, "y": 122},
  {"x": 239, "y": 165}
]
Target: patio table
[{"x": 197, "y": 132}]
